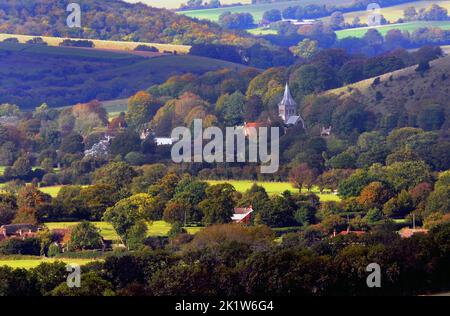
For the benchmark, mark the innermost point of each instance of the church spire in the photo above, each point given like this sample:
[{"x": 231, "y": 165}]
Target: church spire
[{"x": 288, "y": 100}]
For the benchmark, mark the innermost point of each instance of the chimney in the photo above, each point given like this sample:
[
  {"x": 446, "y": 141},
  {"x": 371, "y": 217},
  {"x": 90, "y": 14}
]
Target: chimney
[{"x": 334, "y": 233}]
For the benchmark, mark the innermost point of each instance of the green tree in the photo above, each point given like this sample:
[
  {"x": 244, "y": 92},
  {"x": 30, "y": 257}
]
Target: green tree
[
  {"x": 218, "y": 207},
  {"x": 136, "y": 235},
  {"x": 85, "y": 236}
]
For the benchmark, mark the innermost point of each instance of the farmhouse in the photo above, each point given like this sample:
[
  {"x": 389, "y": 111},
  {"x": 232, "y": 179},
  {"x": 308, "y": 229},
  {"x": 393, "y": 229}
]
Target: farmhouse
[
  {"x": 409, "y": 232},
  {"x": 18, "y": 231},
  {"x": 242, "y": 215}
]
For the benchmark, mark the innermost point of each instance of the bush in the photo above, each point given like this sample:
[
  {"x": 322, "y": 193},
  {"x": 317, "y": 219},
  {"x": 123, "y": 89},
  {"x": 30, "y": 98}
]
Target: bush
[
  {"x": 28, "y": 246},
  {"x": 77, "y": 43},
  {"x": 145, "y": 48},
  {"x": 135, "y": 158},
  {"x": 53, "y": 250},
  {"x": 50, "y": 179}
]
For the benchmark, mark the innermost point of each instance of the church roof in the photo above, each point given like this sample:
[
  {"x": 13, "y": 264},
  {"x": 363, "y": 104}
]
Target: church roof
[{"x": 288, "y": 100}]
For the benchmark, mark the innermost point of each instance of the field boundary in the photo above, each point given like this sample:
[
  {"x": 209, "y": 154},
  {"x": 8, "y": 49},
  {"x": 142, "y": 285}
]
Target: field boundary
[{"x": 119, "y": 46}]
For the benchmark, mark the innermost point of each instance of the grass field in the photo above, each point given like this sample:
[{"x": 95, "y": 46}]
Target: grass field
[
  {"x": 383, "y": 29},
  {"x": 106, "y": 229},
  {"x": 32, "y": 263},
  {"x": 175, "y": 4},
  {"x": 53, "y": 191},
  {"x": 102, "y": 44},
  {"x": 156, "y": 228},
  {"x": 257, "y": 10},
  {"x": 272, "y": 188},
  {"x": 395, "y": 12}
]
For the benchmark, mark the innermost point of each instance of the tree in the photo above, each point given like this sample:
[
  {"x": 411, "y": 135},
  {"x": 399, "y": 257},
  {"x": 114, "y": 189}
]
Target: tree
[
  {"x": 30, "y": 201},
  {"x": 116, "y": 174},
  {"x": 337, "y": 20},
  {"x": 218, "y": 207},
  {"x": 278, "y": 212},
  {"x": 72, "y": 144},
  {"x": 373, "y": 37},
  {"x": 125, "y": 143},
  {"x": 406, "y": 175},
  {"x": 353, "y": 185},
  {"x": 273, "y": 15},
  {"x": 410, "y": 13},
  {"x": 374, "y": 195},
  {"x": 92, "y": 285},
  {"x": 306, "y": 49},
  {"x": 302, "y": 175},
  {"x": 423, "y": 67},
  {"x": 8, "y": 208},
  {"x": 439, "y": 200},
  {"x": 136, "y": 235},
  {"x": 141, "y": 108},
  {"x": 231, "y": 107},
  {"x": 85, "y": 236},
  {"x": 128, "y": 212}
]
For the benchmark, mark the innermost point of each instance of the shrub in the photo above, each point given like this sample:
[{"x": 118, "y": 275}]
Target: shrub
[{"x": 53, "y": 250}]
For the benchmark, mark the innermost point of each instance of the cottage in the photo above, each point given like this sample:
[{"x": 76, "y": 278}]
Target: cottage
[
  {"x": 409, "y": 232},
  {"x": 349, "y": 232},
  {"x": 242, "y": 215},
  {"x": 18, "y": 231}
]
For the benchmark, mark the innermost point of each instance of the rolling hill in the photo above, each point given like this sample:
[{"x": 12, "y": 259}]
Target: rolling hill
[
  {"x": 394, "y": 13},
  {"x": 112, "y": 20},
  {"x": 404, "y": 90},
  {"x": 257, "y": 10},
  {"x": 383, "y": 29},
  {"x": 59, "y": 76}
]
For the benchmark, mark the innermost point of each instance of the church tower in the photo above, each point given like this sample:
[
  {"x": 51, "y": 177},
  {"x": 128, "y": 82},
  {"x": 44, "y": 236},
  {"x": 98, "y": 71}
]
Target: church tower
[{"x": 287, "y": 109}]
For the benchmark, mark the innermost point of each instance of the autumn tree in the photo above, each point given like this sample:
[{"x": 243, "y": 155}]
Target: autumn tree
[
  {"x": 141, "y": 108},
  {"x": 302, "y": 175}
]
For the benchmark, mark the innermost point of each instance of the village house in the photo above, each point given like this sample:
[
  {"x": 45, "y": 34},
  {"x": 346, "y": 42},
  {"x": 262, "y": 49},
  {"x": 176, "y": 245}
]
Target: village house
[
  {"x": 18, "y": 231},
  {"x": 242, "y": 215},
  {"x": 407, "y": 232}
]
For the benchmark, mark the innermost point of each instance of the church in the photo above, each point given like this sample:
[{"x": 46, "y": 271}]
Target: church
[{"x": 287, "y": 109}]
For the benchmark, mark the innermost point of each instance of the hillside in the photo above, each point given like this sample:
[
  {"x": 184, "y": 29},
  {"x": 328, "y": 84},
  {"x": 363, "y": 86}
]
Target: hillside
[
  {"x": 257, "y": 10},
  {"x": 403, "y": 90},
  {"x": 394, "y": 13},
  {"x": 103, "y": 44},
  {"x": 59, "y": 76},
  {"x": 111, "y": 20},
  {"x": 383, "y": 29}
]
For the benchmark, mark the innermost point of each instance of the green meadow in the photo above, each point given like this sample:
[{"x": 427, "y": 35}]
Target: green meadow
[
  {"x": 273, "y": 188},
  {"x": 155, "y": 229},
  {"x": 30, "y": 263},
  {"x": 257, "y": 10},
  {"x": 383, "y": 29}
]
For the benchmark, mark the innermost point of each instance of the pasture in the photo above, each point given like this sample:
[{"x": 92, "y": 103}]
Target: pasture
[
  {"x": 383, "y": 29},
  {"x": 30, "y": 263},
  {"x": 273, "y": 188},
  {"x": 155, "y": 229},
  {"x": 106, "y": 229},
  {"x": 394, "y": 13},
  {"x": 257, "y": 10},
  {"x": 102, "y": 44}
]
